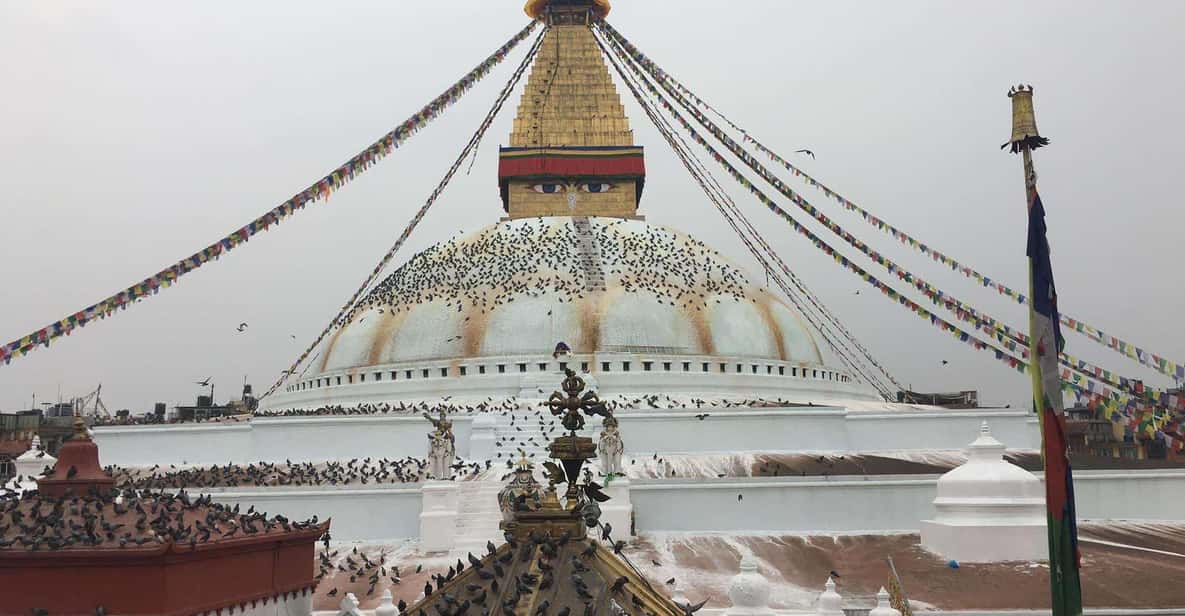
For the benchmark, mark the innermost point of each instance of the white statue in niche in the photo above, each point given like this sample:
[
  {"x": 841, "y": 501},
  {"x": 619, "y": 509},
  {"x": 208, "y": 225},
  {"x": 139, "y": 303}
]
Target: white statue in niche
[
  {"x": 610, "y": 447},
  {"x": 442, "y": 449}
]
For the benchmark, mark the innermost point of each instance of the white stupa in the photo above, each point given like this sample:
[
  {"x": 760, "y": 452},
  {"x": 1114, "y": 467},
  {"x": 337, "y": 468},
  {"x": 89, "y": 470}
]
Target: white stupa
[
  {"x": 29, "y": 466},
  {"x": 987, "y": 509}
]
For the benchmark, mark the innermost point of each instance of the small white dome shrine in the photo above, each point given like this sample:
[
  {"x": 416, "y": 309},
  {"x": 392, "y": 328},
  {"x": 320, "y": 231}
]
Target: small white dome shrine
[
  {"x": 29, "y": 466},
  {"x": 987, "y": 509},
  {"x": 749, "y": 591}
]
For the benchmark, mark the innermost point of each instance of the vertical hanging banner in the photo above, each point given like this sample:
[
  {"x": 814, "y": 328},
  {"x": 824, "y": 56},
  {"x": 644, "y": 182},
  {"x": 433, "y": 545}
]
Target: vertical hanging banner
[
  {"x": 1047, "y": 341},
  {"x": 321, "y": 190}
]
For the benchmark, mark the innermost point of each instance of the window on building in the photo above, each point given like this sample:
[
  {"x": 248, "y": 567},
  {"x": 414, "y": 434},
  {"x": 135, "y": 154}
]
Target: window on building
[
  {"x": 463, "y": 370},
  {"x": 501, "y": 368},
  {"x": 705, "y": 367},
  {"x": 647, "y": 365},
  {"x": 407, "y": 374},
  {"x": 393, "y": 373},
  {"x": 625, "y": 366},
  {"x": 339, "y": 380},
  {"x": 740, "y": 368},
  {"x": 666, "y": 366},
  {"x": 543, "y": 366},
  {"x": 563, "y": 366},
  {"x": 604, "y": 366},
  {"x": 584, "y": 366},
  {"x": 378, "y": 376},
  {"x": 781, "y": 370},
  {"x": 754, "y": 368},
  {"x": 522, "y": 367},
  {"x": 481, "y": 369},
  {"x": 424, "y": 372},
  {"x": 444, "y": 372},
  {"x": 362, "y": 378},
  {"x": 349, "y": 378}
]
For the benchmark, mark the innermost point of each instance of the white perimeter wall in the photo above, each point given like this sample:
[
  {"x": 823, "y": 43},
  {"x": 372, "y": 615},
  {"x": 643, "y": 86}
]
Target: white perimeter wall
[
  {"x": 358, "y": 513},
  {"x": 885, "y": 503},
  {"x": 777, "y": 505},
  {"x": 300, "y": 439},
  {"x": 312, "y": 439}
]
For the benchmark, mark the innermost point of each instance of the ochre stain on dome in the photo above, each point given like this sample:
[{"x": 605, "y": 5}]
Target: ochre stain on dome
[
  {"x": 591, "y": 310},
  {"x": 388, "y": 323},
  {"x": 703, "y": 332},
  {"x": 767, "y": 315},
  {"x": 474, "y": 331},
  {"x": 520, "y": 286},
  {"x": 332, "y": 344}
]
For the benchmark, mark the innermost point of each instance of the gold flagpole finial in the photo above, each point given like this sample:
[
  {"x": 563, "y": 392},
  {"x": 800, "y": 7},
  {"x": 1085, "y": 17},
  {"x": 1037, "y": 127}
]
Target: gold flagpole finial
[{"x": 1024, "y": 121}]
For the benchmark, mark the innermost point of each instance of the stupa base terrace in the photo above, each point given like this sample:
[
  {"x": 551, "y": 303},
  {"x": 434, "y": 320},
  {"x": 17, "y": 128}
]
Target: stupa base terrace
[
  {"x": 1130, "y": 569},
  {"x": 710, "y": 469}
]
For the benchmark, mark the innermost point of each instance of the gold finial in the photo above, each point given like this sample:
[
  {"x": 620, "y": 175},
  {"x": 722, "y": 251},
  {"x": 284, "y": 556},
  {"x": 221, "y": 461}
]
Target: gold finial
[
  {"x": 536, "y": 9},
  {"x": 80, "y": 433},
  {"x": 1024, "y": 120}
]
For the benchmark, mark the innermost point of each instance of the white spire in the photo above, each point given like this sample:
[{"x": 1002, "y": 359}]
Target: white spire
[
  {"x": 830, "y": 603},
  {"x": 883, "y": 608},
  {"x": 386, "y": 605}
]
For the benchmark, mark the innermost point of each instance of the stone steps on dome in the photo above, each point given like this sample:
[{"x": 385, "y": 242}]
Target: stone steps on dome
[{"x": 588, "y": 256}]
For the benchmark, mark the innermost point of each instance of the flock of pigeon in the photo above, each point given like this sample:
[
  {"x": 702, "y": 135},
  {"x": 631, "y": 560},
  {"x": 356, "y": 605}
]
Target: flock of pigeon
[
  {"x": 615, "y": 403},
  {"x": 126, "y": 519},
  {"x": 365, "y": 471},
  {"x": 540, "y": 257}
]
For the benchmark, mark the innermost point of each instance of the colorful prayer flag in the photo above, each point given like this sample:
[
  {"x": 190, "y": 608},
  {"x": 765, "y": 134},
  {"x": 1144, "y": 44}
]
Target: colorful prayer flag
[{"x": 1045, "y": 338}]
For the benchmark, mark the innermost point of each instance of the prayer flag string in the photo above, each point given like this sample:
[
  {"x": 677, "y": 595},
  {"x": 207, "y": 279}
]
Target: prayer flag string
[
  {"x": 319, "y": 191},
  {"x": 344, "y": 314},
  {"x": 1119, "y": 345},
  {"x": 1011, "y": 339}
]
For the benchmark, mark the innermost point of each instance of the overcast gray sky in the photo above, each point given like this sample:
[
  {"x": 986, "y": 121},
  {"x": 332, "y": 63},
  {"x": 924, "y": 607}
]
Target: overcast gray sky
[{"x": 134, "y": 133}]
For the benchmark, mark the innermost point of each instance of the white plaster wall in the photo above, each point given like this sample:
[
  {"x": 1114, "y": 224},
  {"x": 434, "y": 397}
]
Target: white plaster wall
[
  {"x": 371, "y": 514},
  {"x": 775, "y": 504},
  {"x": 1130, "y": 495},
  {"x": 308, "y": 439},
  {"x": 869, "y": 431},
  {"x": 300, "y": 439},
  {"x": 832, "y": 429},
  {"x": 732, "y": 430},
  {"x": 886, "y": 503},
  {"x": 175, "y": 444}
]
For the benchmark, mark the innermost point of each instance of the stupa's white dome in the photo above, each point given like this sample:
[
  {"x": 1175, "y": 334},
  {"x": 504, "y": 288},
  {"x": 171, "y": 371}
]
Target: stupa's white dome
[{"x": 519, "y": 287}]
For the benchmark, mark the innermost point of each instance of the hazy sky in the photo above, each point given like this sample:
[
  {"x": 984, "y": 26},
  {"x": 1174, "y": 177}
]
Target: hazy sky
[{"x": 134, "y": 133}]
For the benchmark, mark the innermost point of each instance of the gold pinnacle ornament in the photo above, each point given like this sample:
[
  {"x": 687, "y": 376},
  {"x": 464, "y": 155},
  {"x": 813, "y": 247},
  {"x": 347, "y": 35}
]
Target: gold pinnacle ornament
[{"x": 1024, "y": 121}]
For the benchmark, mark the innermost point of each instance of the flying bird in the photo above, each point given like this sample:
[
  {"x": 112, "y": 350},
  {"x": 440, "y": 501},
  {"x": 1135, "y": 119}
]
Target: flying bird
[
  {"x": 205, "y": 383},
  {"x": 242, "y": 326},
  {"x": 807, "y": 152},
  {"x": 689, "y": 608}
]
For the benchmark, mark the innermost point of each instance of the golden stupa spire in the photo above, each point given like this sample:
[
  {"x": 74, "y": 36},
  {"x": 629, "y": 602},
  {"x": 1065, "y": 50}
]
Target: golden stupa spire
[
  {"x": 570, "y": 98},
  {"x": 571, "y": 149}
]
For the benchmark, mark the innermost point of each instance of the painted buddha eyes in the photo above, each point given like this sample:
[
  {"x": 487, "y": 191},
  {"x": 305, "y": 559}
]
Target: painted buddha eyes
[{"x": 588, "y": 187}]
